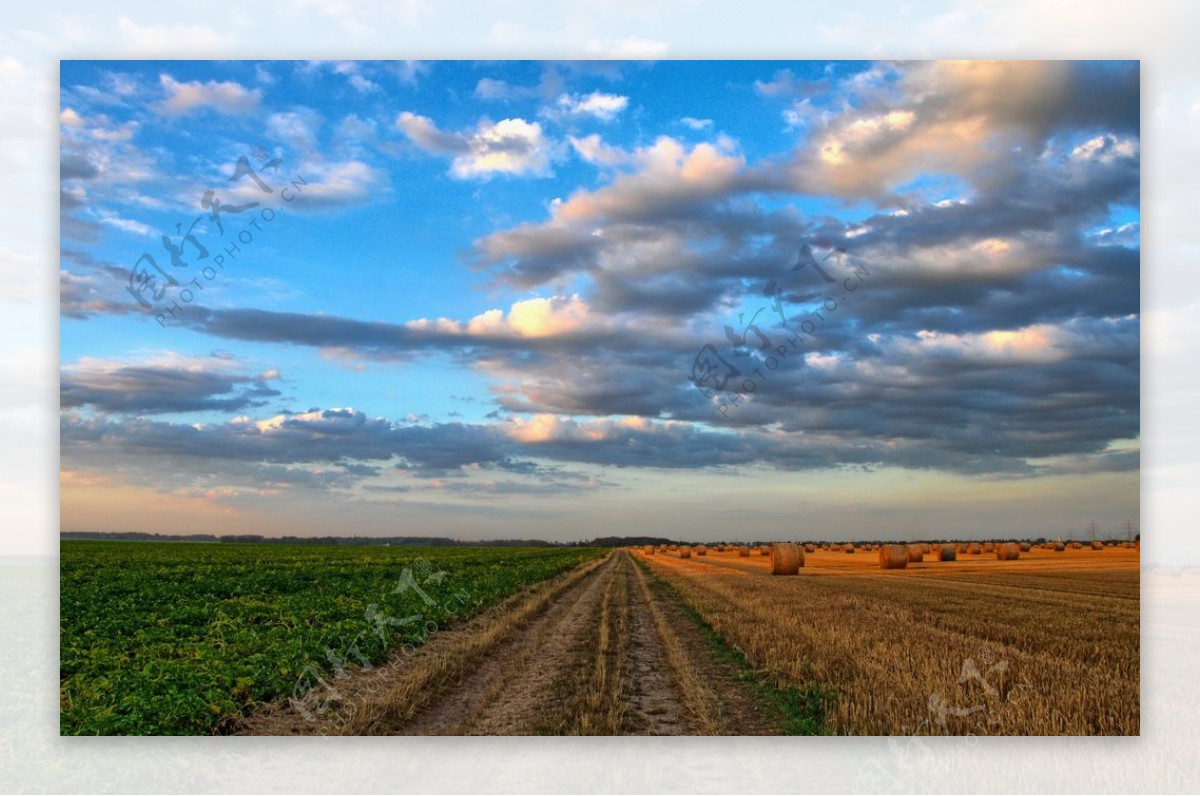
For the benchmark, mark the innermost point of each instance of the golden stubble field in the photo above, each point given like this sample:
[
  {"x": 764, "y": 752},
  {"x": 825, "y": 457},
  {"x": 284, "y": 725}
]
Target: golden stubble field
[{"x": 1044, "y": 645}]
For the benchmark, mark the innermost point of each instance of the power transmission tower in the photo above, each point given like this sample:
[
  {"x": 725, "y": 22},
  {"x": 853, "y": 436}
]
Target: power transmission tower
[
  {"x": 1129, "y": 530},
  {"x": 1093, "y": 529}
]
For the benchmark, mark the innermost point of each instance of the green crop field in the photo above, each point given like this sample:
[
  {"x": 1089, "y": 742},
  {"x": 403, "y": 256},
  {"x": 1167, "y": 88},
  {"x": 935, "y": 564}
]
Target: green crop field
[{"x": 177, "y": 638}]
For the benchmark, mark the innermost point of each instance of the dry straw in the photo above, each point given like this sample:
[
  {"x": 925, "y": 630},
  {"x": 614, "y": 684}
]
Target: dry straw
[
  {"x": 1008, "y": 551},
  {"x": 893, "y": 556},
  {"x": 947, "y": 553},
  {"x": 786, "y": 558}
]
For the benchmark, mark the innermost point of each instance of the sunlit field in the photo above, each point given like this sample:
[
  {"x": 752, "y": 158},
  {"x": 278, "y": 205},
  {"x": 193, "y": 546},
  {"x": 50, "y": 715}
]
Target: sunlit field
[{"x": 1043, "y": 645}]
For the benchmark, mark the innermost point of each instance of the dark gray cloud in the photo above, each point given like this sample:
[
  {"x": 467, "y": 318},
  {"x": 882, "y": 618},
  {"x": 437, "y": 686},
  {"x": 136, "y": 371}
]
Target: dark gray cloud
[
  {"x": 163, "y": 387},
  {"x": 786, "y": 85}
]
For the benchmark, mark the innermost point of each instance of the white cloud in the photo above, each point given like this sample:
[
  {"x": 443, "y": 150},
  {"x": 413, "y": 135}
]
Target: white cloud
[
  {"x": 69, "y": 118},
  {"x": 1036, "y": 344},
  {"x": 297, "y": 129},
  {"x": 225, "y": 97},
  {"x": 489, "y": 89},
  {"x": 599, "y": 105},
  {"x": 696, "y": 124},
  {"x": 529, "y": 319},
  {"x": 346, "y": 183},
  {"x": 667, "y": 171},
  {"x": 116, "y": 221},
  {"x": 352, "y": 71},
  {"x": 1106, "y": 149},
  {"x": 317, "y": 183},
  {"x": 593, "y": 150},
  {"x": 510, "y": 146},
  {"x": 409, "y": 71}
]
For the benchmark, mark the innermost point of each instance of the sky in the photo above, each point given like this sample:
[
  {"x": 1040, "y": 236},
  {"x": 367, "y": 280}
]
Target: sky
[{"x": 701, "y": 299}]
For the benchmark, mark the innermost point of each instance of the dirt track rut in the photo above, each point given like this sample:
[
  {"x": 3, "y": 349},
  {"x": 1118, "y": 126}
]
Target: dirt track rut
[{"x": 608, "y": 651}]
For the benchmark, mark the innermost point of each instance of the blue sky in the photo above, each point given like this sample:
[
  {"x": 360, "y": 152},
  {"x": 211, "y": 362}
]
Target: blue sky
[{"x": 481, "y": 313}]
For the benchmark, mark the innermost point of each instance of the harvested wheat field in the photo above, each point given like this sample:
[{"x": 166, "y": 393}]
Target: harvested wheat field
[
  {"x": 803, "y": 640},
  {"x": 1046, "y": 644}
]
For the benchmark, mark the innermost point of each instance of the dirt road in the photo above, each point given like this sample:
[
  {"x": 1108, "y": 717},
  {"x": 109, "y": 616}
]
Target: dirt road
[{"x": 605, "y": 650}]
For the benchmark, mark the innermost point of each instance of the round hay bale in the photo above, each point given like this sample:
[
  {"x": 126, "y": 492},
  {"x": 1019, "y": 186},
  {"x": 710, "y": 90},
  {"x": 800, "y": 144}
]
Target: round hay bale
[
  {"x": 810, "y": 548},
  {"x": 786, "y": 558},
  {"x": 1059, "y": 547},
  {"x": 1076, "y": 545},
  {"x": 764, "y": 551},
  {"x": 988, "y": 547},
  {"x": 1025, "y": 547},
  {"x": 974, "y": 549},
  {"x": 915, "y": 553},
  {"x": 743, "y": 552},
  {"x": 685, "y": 552},
  {"x": 962, "y": 548},
  {"x": 1097, "y": 545},
  {"x": 649, "y": 549},
  {"x": 848, "y": 548},
  {"x": 893, "y": 556},
  {"x": 720, "y": 548},
  {"x": 947, "y": 553},
  {"x": 700, "y": 550},
  {"x": 1008, "y": 551}
]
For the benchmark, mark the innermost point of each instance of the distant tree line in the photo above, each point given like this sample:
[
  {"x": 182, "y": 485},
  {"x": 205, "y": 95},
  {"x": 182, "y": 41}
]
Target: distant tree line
[{"x": 252, "y": 538}]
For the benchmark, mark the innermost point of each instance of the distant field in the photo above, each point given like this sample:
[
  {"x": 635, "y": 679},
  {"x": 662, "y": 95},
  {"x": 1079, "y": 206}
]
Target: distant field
[
  {"x": 1044, "y": 645},
  {"x": 162, "y": 638}
]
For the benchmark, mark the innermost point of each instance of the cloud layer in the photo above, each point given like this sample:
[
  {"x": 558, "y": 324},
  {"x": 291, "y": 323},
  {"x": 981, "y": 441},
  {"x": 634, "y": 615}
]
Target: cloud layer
[{"x": 935, "y": 267}]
